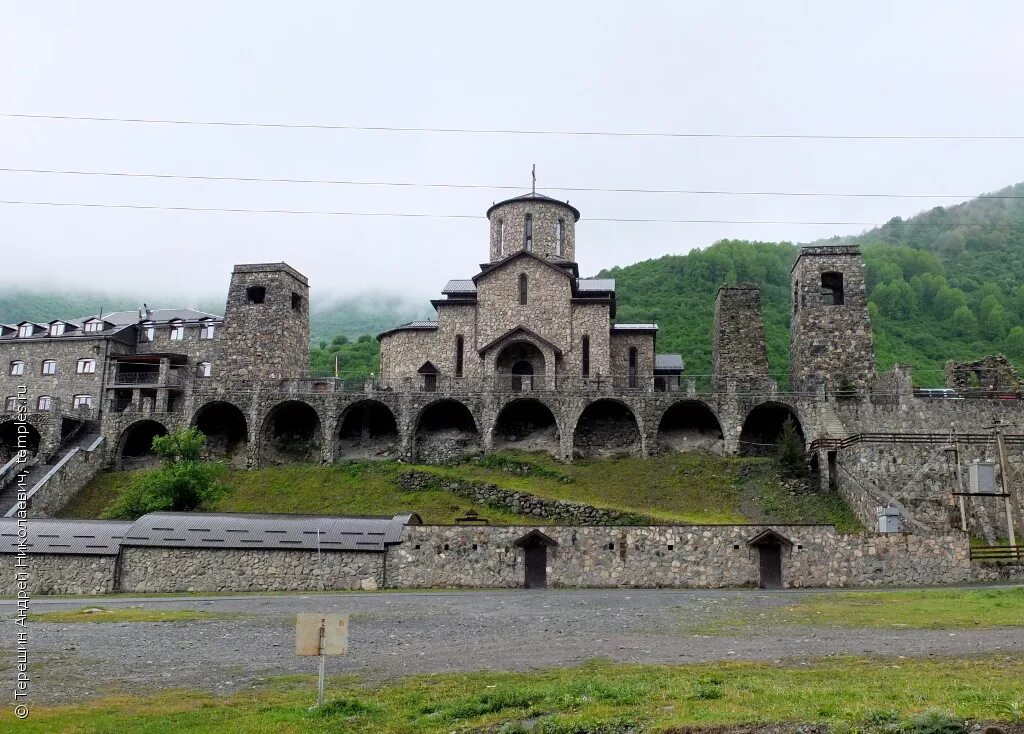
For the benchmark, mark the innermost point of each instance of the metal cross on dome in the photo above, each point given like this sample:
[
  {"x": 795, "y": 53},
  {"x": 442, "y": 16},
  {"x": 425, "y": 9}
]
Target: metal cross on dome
[{"x": 533, "y": 173}]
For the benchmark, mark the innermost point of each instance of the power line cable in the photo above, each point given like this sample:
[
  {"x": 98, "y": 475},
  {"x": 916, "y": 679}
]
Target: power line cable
[
  {"x": 503, "y": 131},
  {"x": 511, "y": 187},
  {"x": 427, "y": 215}
]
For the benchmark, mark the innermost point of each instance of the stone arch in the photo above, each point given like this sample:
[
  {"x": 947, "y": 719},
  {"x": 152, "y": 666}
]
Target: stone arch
[
  {"x": 445, "y": 430},
  {"x": 16, "y": 436},
  {"x": 762, "y": 428},
  {"x": 526, "y": 424},
  {"x": 226, "y": 430},
  {"x": 292, "y": 432},
  {"x": 367, "y": 430},
  {"x": 690, "y": 425},
  {"x": 520, "y": 366},
  {"x": 135, "y": 447},
  {"x": 607, "y": 428}
]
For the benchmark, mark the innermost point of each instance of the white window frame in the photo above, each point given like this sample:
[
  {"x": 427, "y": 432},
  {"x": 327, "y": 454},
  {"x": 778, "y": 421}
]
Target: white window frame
[
  {"x": 86, "y": 366},
  {"x": 204, "y": 369},
  {"x": 148, "y": 332},
  {"x": 44, "y": 403},
  {"x": 17, "y": 368},
  {"x": 93, "y": 326},
  {"x": 25, "y": 330},
  {"x": 57, "y": 328},
  {"x": 177, "y": 331},
  {"x": 81, "y": 401},
  {"x": 208, "y": 330},
  {"x": 52, "y": 363},
  {"x": 11, "y": 403}
]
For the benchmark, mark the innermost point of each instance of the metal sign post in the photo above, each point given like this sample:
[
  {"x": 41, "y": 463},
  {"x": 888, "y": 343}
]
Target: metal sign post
[{"x": 321, "y": 635}]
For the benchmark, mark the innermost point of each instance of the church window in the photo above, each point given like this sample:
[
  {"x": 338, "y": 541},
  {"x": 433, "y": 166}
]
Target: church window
[
  {"x": 586, "y": 356},
  {"x": 560, "y": 238},
  {"x": 832, "y": 289},
  {"x": 523, "y": 290},
  {"x": 459, "y": 354},
  {"x": 528, "y": 233}
]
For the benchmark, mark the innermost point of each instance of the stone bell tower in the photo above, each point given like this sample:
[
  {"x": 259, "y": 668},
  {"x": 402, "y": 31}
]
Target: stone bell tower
[
  {"x": 266, "y": 324},
  {"x": 830, "y": 339},
  {"x": 535, "y": 223}
]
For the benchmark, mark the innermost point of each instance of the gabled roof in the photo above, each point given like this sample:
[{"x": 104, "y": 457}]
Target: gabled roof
[
  {"x": 428, "y": 368},
  {"x": 517, "y": 254},
  {"x": 459, "y": 288},
  {"x": 535, "y": 537},
  {"x": 595, "y": 285},
  {"x": 769, "y": 537},
  {"x": 539, "y": 198},
  {"x": 423, "y": 325},
  {"x": 158, "y": 315},
  {"x": 668, "y": 362},
  {"x": 511, "y": 333},
  {"x": 65, "y": 537}
]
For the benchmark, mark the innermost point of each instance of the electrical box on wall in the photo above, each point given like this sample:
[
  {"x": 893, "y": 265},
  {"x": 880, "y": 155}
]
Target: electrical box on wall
[
  {"x": 982, "y": 477},
  {"x": 888, "y": 519}
]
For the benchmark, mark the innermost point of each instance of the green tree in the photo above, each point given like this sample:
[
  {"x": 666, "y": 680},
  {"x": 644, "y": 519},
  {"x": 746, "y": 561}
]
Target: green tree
[
  {"x": 948, "y": 300},
  {"x": 996, "y": 324},
  {"x": 182, "y": 484},
  {"x": 791, "y": 456},
  {"x": 964, "y": 322},
  {"x": 895, "y": 299},
  {"x": 1015, "y": 342}
]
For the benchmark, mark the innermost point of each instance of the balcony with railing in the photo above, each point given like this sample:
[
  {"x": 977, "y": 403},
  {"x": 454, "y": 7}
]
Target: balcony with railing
[{"x": 124, "y": 378}]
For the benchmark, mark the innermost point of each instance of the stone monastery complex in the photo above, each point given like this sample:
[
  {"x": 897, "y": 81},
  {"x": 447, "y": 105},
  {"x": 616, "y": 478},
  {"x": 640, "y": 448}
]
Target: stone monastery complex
[{"x": 525, "y": 353}]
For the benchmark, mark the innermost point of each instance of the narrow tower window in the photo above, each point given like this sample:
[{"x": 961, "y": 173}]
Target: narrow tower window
[
  {"x": 523, "y": 290},
  {"x": 501, "y": 237},
  {"x": 256, "y": 294},
  {"x": 634, "y": 378},
  {"x": 458, "y": 355},
  {"x": 832, "y": 289},
  {"x": 586, "y": 356},
  {"x": 796, "y": 296},
  {"x": 528, "y": 233},
  {"x": 560, "y": 238}
]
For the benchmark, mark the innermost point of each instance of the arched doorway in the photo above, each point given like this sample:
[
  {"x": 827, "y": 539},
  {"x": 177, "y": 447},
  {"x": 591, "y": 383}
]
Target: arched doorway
[
  {"x": 445, "y": 431},
  {"x": 291, "y": 433},
  {"x": 690, "y": 425},
  {"x": 368, "y": 431},
  {"x": 137, "y": 444},
  {"x": 226, "y": 431},
  {"x": 526, "y": 425},
  {"x": 763, "y": 428},
  {"x": 607, "y": 429},
  {"x": 15, "y": 437},
  {"x": 520, "y": 367},
  {"x": 535, "y": 545}
]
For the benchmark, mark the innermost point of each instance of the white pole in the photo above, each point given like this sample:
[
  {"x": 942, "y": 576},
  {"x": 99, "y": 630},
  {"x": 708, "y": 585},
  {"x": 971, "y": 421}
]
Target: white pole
[{"x": 323, "y": 659}]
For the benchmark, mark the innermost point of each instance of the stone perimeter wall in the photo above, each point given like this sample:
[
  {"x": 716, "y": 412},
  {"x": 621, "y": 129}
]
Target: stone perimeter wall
[{"x": 486, "y": 557}]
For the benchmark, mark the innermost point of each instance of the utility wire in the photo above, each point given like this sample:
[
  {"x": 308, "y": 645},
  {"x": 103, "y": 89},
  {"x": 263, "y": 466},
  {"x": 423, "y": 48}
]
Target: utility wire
[
  {"x": 320, "y": 212},
  {"x": 505, "y": 131},
  {"x": 415, "y": 184}
]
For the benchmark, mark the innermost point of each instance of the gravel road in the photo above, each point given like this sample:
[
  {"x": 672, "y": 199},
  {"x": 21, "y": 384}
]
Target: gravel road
[{"x": 394, "y": 634}]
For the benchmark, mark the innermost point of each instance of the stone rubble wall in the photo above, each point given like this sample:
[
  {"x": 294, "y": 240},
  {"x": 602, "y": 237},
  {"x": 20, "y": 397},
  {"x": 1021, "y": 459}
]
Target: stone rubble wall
[
  {"x": 740, "y": 349},
  {"x": 166, "y": 570},
  {"x": 61, "y": 487},
  {"x": 59, "y": 574}
]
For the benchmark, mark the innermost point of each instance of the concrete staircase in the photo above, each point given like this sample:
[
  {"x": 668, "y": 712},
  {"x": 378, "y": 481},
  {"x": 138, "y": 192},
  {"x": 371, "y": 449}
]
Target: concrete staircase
[
  {"x": 831, "y": 425},
  {"x": 38, "y": 471}
]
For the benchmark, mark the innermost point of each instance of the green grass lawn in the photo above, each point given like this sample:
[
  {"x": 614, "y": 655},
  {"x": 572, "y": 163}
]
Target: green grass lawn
[
  {"x": 129, "y": 614},
  {"x": 599, "y": 698},
  {"x": 953, "y": 609},
  {"x": 677, "y": 488}
]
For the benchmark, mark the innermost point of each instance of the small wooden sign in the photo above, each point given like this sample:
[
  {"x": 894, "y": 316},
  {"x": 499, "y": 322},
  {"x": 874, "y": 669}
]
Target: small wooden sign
[{"x": 321, "y": 634}]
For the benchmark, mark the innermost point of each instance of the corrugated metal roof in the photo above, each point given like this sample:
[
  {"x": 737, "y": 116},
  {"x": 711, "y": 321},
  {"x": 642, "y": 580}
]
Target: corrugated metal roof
[
  {"x": 229, "y": 530},
  {"x": 634, "y": 327},
  {"x": 71, "y": 537},
  {"x": 585, "y": 285},
  {"x": 459, "y": 286},
  {"x": 668, "y": 362}
]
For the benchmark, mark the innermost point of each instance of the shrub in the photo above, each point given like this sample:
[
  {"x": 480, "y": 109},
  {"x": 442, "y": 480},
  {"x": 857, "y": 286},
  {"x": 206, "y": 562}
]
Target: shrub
[
  {"x": 791, "y": 457},
  {"x": 934, "y": 722}
]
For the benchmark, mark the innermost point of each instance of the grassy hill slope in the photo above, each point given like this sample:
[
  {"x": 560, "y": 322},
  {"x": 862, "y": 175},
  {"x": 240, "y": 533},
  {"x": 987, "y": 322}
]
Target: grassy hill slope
[{"x": 680, "y": 488}]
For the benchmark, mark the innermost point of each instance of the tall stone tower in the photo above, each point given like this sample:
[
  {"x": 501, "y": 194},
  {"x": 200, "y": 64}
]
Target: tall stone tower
[
  {"x": 536, "y": 223},
  {"x": 830, "y": 338},
  {"x": 266, "y": 324},
  {"x": 740, "y": 350}
]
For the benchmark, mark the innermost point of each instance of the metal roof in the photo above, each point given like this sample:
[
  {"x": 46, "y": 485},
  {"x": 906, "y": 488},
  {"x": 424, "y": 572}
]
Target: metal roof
[
  {"x": 668, "y": 362},
  {"x": 71, "y": 537},
  {"x": 266, "y": 532},
  {"x": 412, "y": 325},
  {"x": 600, "y": 285},
  {"x": 634, "y": 327},
  {"x": 541, "y": 198},
  {"x": 459, "y": 287},
  {"x": 112, "y": 323}
]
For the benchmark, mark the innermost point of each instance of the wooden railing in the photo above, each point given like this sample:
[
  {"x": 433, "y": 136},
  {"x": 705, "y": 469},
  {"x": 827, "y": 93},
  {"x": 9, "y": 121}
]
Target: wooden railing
[{"x": 998, "y": 553}]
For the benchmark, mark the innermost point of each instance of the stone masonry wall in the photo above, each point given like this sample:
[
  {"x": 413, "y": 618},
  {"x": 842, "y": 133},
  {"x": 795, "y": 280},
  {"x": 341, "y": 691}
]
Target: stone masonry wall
[
  {"x": 740, "y": 350},
  {"x": 545, "y": 219},
  {"x": 61, "y": 487},
  {"x": 165, "y": 570},
  {"x": 60, "y": 574}
]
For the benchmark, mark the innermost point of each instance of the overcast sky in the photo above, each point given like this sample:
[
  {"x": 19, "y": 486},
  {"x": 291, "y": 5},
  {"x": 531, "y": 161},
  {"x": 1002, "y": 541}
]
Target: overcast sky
[{"x": 914, "y": 68}]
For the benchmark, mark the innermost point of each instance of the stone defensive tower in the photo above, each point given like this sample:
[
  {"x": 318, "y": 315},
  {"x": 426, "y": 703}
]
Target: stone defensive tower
[
  {"x": 536, "y": 223},
  {"x": 830, "y": 339},
  {"x": 740, "y": 350},
  {"x": 266, "y": 324}
]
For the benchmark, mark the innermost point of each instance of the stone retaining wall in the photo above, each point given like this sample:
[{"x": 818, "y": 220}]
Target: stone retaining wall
[
  {"x": 524, "y": 503},
  {"x": 59, "y": 574}
]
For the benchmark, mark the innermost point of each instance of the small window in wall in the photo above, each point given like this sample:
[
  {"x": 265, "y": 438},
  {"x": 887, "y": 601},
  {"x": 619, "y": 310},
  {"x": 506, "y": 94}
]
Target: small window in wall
[
  {"x": 832, "y": 289},
  {"x": 177, "y": 331},
  {"x": 45, "y": 402},
  {"x": 17, "y": 367},
  {"x": 148, "y": 332},
  {"x": 49, "y": 367},
  {"x": 86, "y": 366},
  {"x": 57, "y": 328},
  {"x": 586, "y": 356},
  {"x": 524, "y": 288},
  {"x": 204, "y": 369},
  {"x": 634, "y": 377},
  {"x": 81, "y": 401},
  {"x": 208, "y": 330},
  {"x": 796, "y": 296},
  {"x": 459, "y": 354},
  {"x": 430, "y": 382},
  {"x": 501, "y": 237},
  {"x": 528, "y": 233},
  {"x": 256, "y": 294},
  {"x": 25, "y": 330},
  {"x": 93, "y": 326},
  {"x": 296, "y": 302},
  {"x": 560, "y": 238},
  {"x": 11, "y": 403}
]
